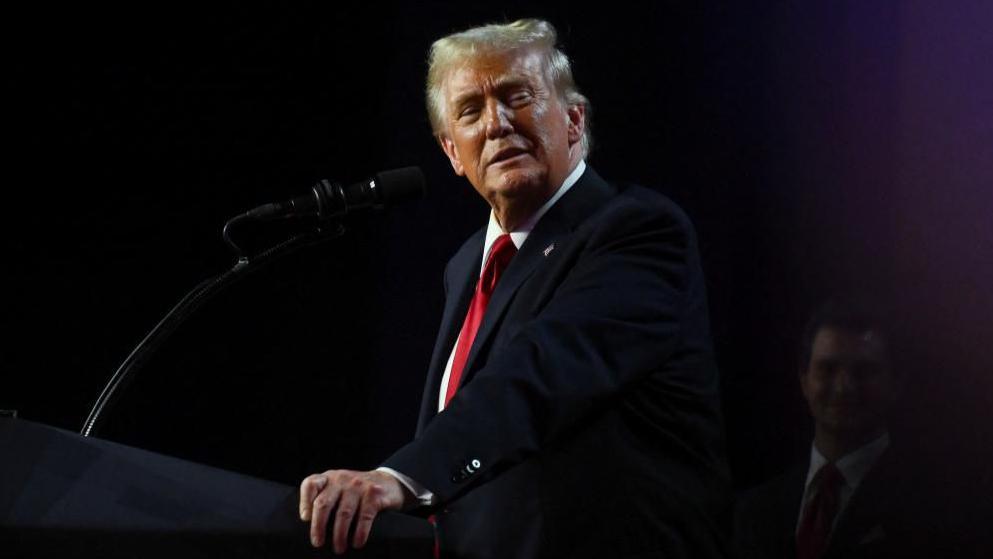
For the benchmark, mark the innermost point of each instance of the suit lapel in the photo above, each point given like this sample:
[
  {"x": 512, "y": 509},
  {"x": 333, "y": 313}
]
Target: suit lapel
[
  {"x": 588, "y": 194},
  {"x": 864, "y": 510},
  {"x": 791, "y": 505},
  {"x": 463, "y": 272}
]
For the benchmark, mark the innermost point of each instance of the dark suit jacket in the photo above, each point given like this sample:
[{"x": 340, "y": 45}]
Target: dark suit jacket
[
  {"x": 587, "y": 422},
  {"x": 887, "y": 516}
]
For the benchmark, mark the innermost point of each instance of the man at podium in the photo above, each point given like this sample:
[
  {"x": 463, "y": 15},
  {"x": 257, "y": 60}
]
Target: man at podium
[{"x": 571, "y": 406}]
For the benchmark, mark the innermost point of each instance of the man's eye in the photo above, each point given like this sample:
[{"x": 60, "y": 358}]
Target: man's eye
[
  {"x": 826, "y": 368},
  {"x": 865, "y": 370},
  {"x": 468, "y": 112},
  {"x": 520, "y": 99}
]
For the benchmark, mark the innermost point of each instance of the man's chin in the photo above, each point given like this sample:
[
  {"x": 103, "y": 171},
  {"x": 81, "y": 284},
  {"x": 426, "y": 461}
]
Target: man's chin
[
  {"x": 512, "y": 183},
  {"x": 848, "y": 423}
]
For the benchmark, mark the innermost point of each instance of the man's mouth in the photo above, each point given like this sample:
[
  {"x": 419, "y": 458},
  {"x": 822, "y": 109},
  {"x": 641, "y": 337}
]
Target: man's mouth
[
  {"x": 506, "y": 154},
  {"x": 844, "y": 405}
]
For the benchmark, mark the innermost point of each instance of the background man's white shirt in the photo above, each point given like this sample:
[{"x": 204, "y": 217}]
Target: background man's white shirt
[{"x": 853, "y": 467}]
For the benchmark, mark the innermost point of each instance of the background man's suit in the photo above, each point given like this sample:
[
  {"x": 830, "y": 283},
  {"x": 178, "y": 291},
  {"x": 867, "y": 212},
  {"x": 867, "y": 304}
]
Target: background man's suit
[
  {"x": 890, "y": 515},
  {"x": 587, "y": 421}
]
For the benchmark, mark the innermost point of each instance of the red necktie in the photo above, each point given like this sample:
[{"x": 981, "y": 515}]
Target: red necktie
[
  {"x": 502, "y": 251},
  {"x": 819, "y": 514}
]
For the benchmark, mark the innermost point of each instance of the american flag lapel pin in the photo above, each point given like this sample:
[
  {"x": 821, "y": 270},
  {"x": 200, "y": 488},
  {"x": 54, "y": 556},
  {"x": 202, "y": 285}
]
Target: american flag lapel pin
[{"x": 549, "y": 249}]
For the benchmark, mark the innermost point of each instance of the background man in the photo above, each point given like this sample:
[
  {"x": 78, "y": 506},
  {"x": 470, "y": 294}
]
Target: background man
[
  {"x": 571, "y": 406},
  {"x": 854, "y": 497}
]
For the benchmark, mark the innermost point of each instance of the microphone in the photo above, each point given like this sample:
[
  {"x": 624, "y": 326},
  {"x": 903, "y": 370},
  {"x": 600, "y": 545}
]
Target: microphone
[{"x": 328, "y": 199}]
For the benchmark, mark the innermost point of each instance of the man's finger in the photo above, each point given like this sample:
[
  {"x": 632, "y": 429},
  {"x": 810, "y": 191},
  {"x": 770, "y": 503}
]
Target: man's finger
[
  {"x": 369, "y": 507},
  {"x": 347, "y": 505},
  {"x": 324, "y": 503},
  {"x": 309, "y": 488}
]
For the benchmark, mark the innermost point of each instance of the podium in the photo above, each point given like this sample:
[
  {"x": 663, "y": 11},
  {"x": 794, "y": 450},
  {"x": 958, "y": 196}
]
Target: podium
[{"x": 64, "y": 495}]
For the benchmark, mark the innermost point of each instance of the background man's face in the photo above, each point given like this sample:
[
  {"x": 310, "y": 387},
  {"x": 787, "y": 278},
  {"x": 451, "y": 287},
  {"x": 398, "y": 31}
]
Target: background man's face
[
  {"x": 848, "y": 385},
  {"x": 508, "y": 131}
]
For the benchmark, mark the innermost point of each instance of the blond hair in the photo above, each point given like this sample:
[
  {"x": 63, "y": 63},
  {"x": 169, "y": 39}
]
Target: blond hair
[{"x": 450, "y": 51}]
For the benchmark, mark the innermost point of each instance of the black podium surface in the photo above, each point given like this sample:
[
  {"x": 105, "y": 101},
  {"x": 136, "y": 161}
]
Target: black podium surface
[{"x": 69, "y": 496}]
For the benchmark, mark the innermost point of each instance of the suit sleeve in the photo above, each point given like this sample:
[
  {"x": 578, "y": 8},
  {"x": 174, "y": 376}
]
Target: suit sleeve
[{"x": 614, "y": 319}]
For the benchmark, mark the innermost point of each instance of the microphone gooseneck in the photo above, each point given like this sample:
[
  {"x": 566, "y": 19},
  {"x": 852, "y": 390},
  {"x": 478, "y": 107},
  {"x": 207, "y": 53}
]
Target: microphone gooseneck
[{"x": 326, "y": 201}]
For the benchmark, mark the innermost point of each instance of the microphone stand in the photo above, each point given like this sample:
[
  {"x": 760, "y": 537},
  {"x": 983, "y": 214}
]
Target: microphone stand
[{"x": 193, "y": 300}]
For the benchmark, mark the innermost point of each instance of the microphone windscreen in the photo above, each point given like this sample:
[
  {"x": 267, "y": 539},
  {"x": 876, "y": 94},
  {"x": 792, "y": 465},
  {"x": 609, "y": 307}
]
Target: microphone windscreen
[{"x": 400, "y": 185}]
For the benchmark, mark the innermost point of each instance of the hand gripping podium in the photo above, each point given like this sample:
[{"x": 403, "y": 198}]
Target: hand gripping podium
[{"x": 64, "y": 495}]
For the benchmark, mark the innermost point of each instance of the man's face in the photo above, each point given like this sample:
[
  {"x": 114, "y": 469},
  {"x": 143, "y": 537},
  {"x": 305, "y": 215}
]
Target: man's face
[
  {"x": 848, "y": 384},
  {"x": 507, "y": 130}
]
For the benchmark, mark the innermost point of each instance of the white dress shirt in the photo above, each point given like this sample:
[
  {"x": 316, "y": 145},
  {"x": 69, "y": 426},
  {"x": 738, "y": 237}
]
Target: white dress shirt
[
  {"x": 517, "y": 236},
  {"x": 853, "y": 468}
]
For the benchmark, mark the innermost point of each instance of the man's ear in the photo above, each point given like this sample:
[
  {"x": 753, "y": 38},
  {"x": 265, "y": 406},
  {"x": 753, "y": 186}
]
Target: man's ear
[
  {"x": 448, "y": 146},
  {"x": 576, "y": 113}
]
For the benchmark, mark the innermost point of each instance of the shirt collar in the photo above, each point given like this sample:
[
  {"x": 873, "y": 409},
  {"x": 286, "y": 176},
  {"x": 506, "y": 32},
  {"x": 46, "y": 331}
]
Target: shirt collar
[
  {"x": 520, "y": 234},
  {"x": 854, "y": 465}
]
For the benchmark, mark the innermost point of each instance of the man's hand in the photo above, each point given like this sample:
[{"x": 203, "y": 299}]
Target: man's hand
[{"x": 350, "y": 495}]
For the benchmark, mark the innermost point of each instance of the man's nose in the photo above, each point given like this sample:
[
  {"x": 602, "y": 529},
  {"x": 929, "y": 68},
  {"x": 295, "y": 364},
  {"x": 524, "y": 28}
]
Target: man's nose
[
  {"x": 844, "y": 381},
  {"x": 498, "y": 120}
]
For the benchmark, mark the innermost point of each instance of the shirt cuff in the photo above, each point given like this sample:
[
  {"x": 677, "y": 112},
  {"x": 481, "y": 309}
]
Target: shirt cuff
[{"x": 423, "y": 496}]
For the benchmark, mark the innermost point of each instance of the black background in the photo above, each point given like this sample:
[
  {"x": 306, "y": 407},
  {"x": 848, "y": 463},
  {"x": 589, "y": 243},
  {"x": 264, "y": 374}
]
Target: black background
[{"x": 818, "y": 148}]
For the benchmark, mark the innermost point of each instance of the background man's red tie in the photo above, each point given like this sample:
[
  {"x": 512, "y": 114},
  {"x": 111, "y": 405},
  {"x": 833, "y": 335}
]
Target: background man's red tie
[
  {"x": 818, "y": 516},
  {"x": 500, "y": 254}
]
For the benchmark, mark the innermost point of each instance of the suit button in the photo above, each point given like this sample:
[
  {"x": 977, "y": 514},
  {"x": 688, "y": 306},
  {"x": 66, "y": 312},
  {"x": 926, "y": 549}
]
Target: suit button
[{"x": 476, "y": 463}]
